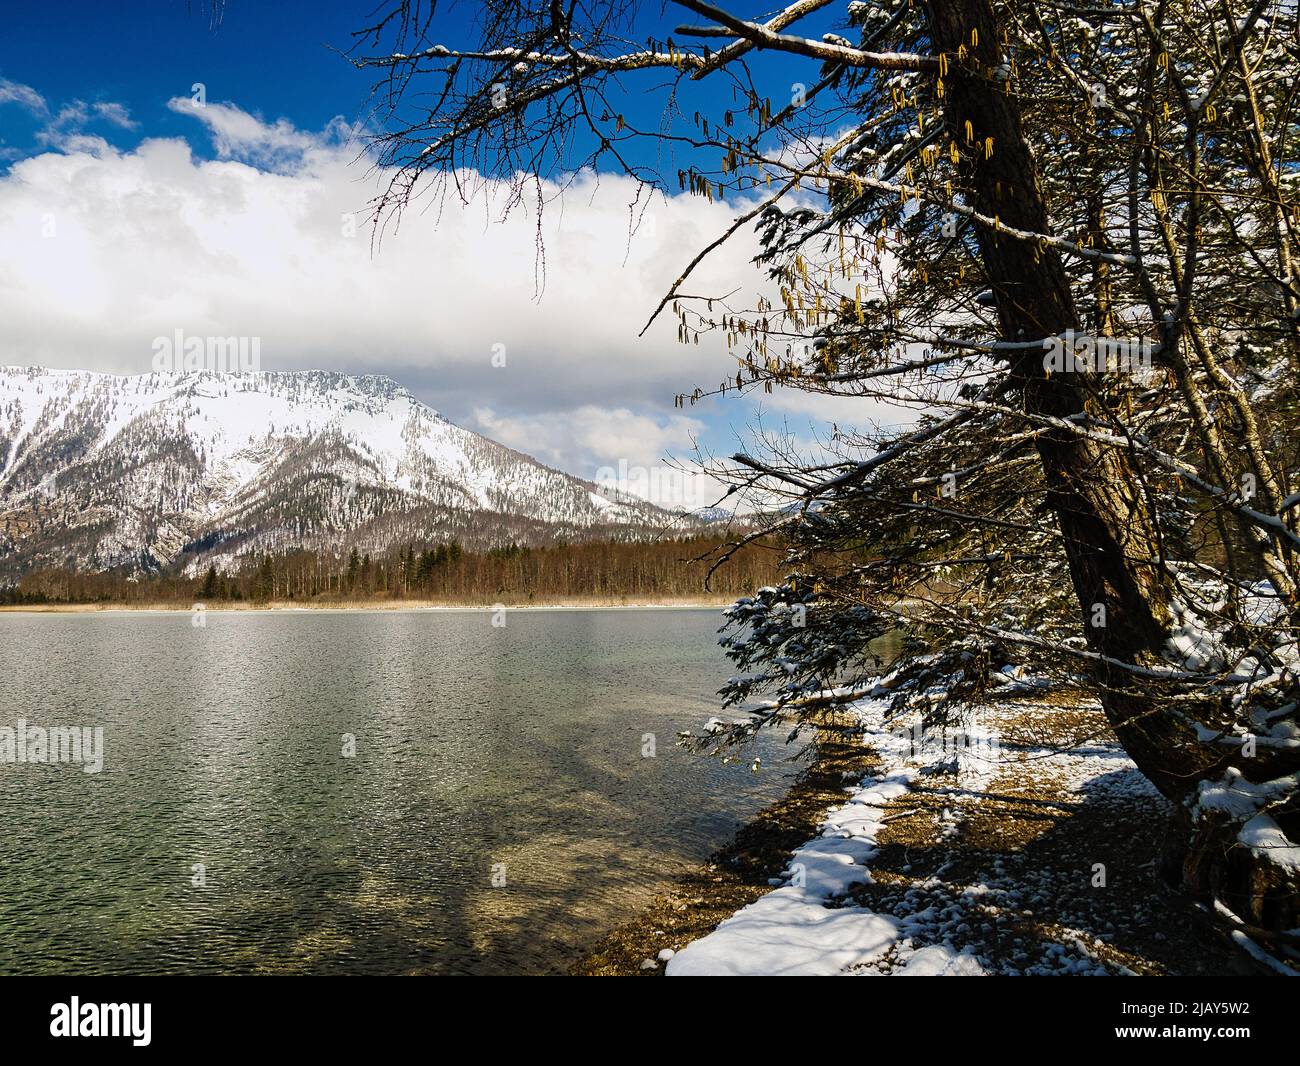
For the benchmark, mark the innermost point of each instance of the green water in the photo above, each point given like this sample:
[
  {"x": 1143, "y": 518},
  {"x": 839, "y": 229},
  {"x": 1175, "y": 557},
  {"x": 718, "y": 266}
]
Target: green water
[{"x": 479, "y": 750}]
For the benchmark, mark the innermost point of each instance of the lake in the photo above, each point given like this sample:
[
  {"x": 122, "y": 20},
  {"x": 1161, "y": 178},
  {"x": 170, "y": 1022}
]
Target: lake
[{"x": 498, "y": 815}]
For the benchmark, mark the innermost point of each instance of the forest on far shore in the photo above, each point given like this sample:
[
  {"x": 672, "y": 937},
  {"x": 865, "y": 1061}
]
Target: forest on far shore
[{"x": 443, "y": 571}]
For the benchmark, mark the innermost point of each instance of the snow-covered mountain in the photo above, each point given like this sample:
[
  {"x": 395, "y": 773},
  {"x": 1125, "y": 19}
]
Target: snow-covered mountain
[{"x": 99, "y": 471}]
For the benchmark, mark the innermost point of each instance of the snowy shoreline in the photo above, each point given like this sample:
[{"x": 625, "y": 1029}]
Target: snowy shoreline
[
  {"x": 792, "y": 931},
  {"x": 999, "y": 859}
]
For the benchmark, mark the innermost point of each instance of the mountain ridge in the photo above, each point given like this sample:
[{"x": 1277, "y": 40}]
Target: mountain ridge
[{"x": 149, "y": 471}]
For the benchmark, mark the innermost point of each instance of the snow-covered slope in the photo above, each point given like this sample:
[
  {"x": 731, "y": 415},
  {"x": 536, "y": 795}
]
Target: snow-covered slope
[{"x": 99, "y": 471}]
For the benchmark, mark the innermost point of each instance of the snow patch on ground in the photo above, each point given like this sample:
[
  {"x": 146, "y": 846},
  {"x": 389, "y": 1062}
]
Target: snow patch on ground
[
  {"x": 788, "y": 932},
  {"x": 932, "y": 925},
  {"x": 798, "y": 929},
  {"x": 939, "y": 960}
]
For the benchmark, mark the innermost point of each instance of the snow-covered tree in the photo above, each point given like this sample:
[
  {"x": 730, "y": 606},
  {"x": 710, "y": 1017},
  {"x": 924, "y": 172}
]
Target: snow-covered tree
[{"x": 1065, "y": 237}]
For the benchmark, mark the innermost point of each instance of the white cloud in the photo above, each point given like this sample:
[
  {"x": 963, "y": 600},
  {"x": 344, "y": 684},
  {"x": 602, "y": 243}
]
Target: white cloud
[
  {"x": 113, "y": 113},
  {"x": 64, "y": 128},
  {"x": 275, "y": 146},
  {"x": 602, "y": 436},
  {"x": 77, "y": 114},
  {"x": 12, "y": 92},
  {"x": 642, "y": 454},
  {"x": 112, "y": 248},
  {"x": 154, "y": 238}
]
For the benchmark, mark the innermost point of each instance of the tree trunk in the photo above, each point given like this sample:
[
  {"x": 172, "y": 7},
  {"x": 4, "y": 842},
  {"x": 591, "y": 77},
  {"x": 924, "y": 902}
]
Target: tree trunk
[{"x": 1107, "y": 529}]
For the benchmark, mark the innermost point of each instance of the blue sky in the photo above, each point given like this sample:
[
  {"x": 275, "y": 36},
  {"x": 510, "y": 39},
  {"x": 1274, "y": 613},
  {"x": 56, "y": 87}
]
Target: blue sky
[
  {"x": 278, "y": 59},
  {"x": 271, "y": 57},
  {"x": 226, "y": 221}
]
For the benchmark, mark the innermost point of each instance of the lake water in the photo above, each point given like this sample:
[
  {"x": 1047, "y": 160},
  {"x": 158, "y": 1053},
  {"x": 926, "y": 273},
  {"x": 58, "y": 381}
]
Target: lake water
[{"x": 512, "y": 752}]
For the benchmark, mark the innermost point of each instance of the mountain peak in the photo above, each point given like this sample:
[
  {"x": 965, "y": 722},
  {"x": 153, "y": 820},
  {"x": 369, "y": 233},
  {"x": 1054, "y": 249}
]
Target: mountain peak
[{"x": 100, "y": 471}]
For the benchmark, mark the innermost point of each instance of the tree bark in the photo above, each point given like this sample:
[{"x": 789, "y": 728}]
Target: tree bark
[{"x": 1107, "y": 528}]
